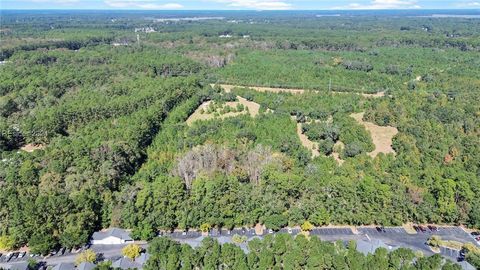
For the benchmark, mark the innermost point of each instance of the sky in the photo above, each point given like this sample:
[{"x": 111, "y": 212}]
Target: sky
[{"x": 240, "y": 4}]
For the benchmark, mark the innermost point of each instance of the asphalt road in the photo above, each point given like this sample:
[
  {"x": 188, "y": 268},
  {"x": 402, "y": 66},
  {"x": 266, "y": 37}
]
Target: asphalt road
[{"x": 392, "y": 236}]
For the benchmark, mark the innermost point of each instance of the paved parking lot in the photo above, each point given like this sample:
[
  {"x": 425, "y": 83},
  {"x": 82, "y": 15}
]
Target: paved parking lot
[
  {"x": 393, "y": 236},
  {"x": 452, "y": 253},
  {"x": 332, "y": 231},
  {"x": 374, "y": 231}
]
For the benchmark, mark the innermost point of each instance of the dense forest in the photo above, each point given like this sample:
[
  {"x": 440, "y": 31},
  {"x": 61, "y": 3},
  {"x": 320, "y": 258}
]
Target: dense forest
[{"x": 106, "y": 106}]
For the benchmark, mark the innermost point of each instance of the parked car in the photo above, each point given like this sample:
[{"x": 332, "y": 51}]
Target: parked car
[
  {"x": 8, "y": 256},
  {"x": 380, "y": 229},
  {"x": 61, "y": 251},
  {"x": 477, "y": 239},
  {"x": 475, "y": 234},
  {"x": 422, "y": 229},
  {"x": 21, "y": 254},
  {"x": 289, "y": 230},
  {"x": 432, "y": 228},
  {"x": 1, "y": 257}
]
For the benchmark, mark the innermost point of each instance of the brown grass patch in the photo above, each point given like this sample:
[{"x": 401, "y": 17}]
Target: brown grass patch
[
  {"x": 381, "y": 136},
  {"x": 253, "y": 109},
  {"x": 337, "y": 148},
  {"x": 312, "y": 146},
  {"x": 229, "y": 87},
  {"x": 32, "y": 147}
]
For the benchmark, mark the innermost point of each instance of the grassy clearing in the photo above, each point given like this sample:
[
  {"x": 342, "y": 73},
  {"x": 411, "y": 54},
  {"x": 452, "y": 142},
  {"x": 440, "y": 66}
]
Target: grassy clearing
[
  {"x": 229, "y": 87},
  {"x": 200, "y": 113},
  {"x": 381, "y": 136}
]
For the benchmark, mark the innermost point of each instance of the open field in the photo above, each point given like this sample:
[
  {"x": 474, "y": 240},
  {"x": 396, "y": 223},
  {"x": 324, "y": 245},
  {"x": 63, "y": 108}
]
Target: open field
[
  {"x": 381, "y": 136},
  {"x": 252, "y": 108},
  {"x": 229, "y": 87}
]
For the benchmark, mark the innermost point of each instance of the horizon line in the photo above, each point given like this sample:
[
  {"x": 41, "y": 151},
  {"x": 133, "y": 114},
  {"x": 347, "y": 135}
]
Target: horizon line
[{"x": 282, "y": 10}]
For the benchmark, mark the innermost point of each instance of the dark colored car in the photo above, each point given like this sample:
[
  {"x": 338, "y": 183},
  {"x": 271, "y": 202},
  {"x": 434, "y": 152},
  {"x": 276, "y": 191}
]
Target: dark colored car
[
  {"x": 475, "y": 233},
  {"x": 61, "y": 251},
  {"x": 422, "y": 229},
  {"x": 478, "y": 238},
  {"x": 380, "y": 229},
  {"x": 8, "y": 257},
  {"x": 21, "y": 254},
  {"x": 432, "y": 228}
]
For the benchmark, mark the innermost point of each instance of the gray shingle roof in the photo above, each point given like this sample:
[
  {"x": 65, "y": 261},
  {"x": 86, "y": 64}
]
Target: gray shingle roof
[
  {"x": 125, "y": 263},
  {"x": 64, "y": 266},
  {"x": 19, "y": 266},
  {"x": 86, "y": 266},
  {"x": 466, "y": 266},
  {"x": 142, "y": 259},
  {"x": 116, "y": 232}
]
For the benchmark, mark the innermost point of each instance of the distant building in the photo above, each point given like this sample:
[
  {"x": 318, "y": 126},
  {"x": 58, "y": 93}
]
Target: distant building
[
  {"x": 113, "y": 236},
  {"x": 116, "y": 44},
  {"x": 145, "y": 30},
  {"x": 64, "y": 266}
]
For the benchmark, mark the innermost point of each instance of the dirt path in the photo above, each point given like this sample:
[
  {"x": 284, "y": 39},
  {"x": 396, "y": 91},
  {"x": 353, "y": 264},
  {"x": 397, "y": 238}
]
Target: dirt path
[
  {"x": 336, "y": 154},
  {"x": 312, "y": 146},
  {"x": 229, "y": 87},
  {"x": 253, "y": 109},
  {"x": 381, "y": 136}
]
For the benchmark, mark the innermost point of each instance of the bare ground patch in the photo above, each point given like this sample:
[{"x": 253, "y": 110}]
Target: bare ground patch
[
  {"x": 200, "y": 113},
  {"x": 337, "y": 148},
  {"x": 312, "y": 146},
  {"x": 381, "y": 136},
  {"x": 32, "y": 147}
]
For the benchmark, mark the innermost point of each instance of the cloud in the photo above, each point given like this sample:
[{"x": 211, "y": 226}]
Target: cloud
[
  {"x": 61, "y": 2},
  {"x": 383, "y": 4},
  {"x": 141, "y": 4},
  {"x": 469, "y": 4},
  {"x": 258, "y": 5}
]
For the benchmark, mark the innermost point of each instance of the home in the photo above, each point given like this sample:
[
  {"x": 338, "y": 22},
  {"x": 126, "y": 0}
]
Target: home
[
  {"x": 19, "y": 266},
  {"x": 86, "y": 266},
  {"x": 64, "y": 266},
  {"x": 466, "y": 266},
  {"x": 126, "y": 263},
  {"x": 113, "y": 236}
]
